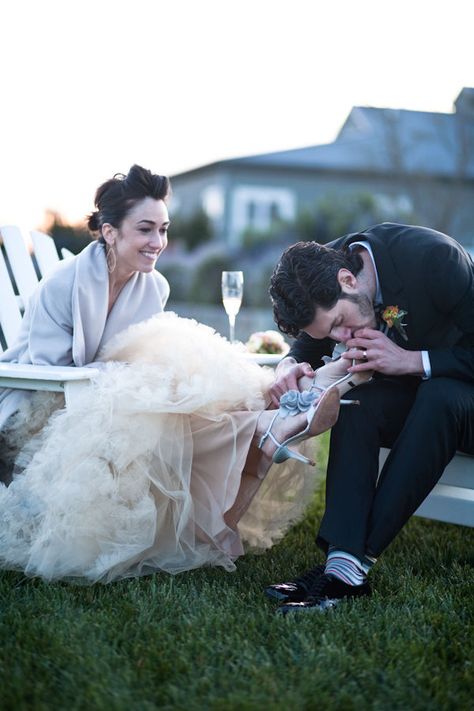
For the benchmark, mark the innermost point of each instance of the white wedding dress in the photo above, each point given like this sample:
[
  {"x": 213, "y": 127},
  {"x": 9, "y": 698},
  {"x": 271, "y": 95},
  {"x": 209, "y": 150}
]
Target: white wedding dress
[{"x": 136, "y": 476}]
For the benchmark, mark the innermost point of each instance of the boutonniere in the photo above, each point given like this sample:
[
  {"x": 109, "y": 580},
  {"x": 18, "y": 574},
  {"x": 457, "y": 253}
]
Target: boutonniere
[{"x": 393, "y": 317}]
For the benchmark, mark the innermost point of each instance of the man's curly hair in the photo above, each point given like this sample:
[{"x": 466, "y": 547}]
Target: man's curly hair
[{"x": 304, "y": 279}]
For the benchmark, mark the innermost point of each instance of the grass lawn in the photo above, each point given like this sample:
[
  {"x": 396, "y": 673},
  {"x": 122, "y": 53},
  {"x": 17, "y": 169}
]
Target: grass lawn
[{"x": 210, "y": 640}]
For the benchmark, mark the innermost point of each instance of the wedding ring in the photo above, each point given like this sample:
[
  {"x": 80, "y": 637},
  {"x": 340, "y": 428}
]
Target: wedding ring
[{"x": 364, "y": 355}]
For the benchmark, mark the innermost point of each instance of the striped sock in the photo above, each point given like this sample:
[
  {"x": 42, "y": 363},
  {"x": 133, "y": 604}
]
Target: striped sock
[{"x": 346, "y": 567}]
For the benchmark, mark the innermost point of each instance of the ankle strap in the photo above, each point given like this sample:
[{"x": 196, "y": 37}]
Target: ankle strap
[{"x": 269, "y": 434}]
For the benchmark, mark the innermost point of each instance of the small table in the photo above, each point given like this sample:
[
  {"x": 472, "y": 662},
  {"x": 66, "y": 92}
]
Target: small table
[{"x": 265, "y": 358}]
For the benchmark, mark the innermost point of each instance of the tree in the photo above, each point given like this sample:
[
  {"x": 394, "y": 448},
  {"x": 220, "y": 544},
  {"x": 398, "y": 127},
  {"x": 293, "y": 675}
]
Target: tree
[
  {"x": 330, "y": 217},
  {"x": 72, "y": 237},
  {"x": 339, "y": 214},
  {"x": 206, "y": 284},
  {"x": 192, "y": 231},
  {"x": 441, "y": 195}
]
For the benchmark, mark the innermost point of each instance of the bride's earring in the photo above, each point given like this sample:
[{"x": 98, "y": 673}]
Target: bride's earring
[{"x": 111, "y": 259}]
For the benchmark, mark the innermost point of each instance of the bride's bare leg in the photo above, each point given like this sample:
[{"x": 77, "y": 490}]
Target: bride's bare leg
[
  {"x": 256, "y": 466},
  {"x": 259, "y": 461}
]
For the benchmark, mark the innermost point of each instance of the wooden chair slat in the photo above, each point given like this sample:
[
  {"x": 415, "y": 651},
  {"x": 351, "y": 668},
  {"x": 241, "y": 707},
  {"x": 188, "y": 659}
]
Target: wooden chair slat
[
  {"x": 10, "y": 315},
  {"x": 45, "y": 251},
  {"x": 19, "y": 257}
]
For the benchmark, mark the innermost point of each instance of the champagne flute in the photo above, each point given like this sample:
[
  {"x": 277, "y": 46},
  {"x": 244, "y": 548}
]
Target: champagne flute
[{"x": 232, "y": 290}]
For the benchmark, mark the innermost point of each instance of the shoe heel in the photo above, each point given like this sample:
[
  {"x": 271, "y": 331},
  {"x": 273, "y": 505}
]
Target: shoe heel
[{"x": 283, "y": 453}]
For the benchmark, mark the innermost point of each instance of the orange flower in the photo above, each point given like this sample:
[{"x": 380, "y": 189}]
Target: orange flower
[
  {"x": 393, "y": 316},
  {"x": 390, "y": 314}
]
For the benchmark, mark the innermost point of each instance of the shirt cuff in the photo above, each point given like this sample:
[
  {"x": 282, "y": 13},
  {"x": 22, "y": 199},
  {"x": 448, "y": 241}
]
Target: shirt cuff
[{"x": 426, "y": 365}]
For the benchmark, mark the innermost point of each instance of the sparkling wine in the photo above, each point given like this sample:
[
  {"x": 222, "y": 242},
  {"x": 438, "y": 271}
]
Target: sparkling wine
[
  {"x": 232, "y": 290},
  {"x": 232, "y": 304}
]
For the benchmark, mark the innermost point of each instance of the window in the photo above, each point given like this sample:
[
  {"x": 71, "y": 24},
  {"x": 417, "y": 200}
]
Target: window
[
  {"x": 251, "y": 212},
  {"x": 259, "y": 207},
  {"x": 274, "y": 212}
]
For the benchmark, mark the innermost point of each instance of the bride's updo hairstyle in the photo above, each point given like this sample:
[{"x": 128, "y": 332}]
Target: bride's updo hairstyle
[{"x": 117, "y": 196}]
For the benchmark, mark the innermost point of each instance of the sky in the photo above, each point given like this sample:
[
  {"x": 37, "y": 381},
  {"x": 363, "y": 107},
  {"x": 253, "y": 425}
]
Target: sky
[{"x": 89, "y": 87}]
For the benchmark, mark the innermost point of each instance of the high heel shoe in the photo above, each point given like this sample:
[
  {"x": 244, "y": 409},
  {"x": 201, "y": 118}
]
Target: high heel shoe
[
  {"x": 341, "y": 381},
  {"x": 344, "y": 383},
  {"x": 320, "y": 417}
]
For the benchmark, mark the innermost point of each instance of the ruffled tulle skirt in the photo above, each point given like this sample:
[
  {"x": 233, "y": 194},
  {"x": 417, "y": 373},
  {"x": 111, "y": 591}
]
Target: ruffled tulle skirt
[{"x": 138, "y": 473}]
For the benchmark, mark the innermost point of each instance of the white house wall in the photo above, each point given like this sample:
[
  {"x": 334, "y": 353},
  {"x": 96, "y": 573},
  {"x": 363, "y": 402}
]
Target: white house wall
[{"x": 252, "y": 207}]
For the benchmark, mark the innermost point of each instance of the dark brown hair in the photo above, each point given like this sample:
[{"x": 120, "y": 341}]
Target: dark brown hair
[
  {"x": 116, "y": 197},
  {"x": 304, "y": 279}
]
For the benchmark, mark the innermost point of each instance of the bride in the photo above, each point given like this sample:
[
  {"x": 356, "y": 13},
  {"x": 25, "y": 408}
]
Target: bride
[{"x": 167, "y": 461}]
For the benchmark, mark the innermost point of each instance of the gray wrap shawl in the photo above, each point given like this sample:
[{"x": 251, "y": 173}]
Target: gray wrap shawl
[{"x": 66, "y": 321}]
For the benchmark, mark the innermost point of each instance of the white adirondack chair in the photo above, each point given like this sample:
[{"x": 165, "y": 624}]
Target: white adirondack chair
[
  {"x": 452, "y": 499},
  {"x": 19, "y": 248}
]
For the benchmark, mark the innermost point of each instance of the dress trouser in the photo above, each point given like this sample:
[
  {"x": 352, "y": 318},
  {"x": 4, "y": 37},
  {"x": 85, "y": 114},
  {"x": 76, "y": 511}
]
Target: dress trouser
[{"x": 424, "y": 423}]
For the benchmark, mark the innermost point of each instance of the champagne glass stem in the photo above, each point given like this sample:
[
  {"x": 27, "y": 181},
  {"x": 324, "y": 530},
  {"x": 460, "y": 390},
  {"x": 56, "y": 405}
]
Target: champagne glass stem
[{"x": 231, "y": 328}]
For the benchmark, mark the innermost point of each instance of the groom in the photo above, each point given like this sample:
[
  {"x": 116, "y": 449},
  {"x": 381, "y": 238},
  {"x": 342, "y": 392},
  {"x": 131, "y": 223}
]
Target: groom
[{"x": 420, "y": 402}]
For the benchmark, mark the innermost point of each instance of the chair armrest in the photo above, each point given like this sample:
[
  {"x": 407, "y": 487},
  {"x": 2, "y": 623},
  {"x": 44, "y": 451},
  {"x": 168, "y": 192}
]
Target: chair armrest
[
  {"x": 265, "y": 358},
  {"x": 25, "y": 376}
]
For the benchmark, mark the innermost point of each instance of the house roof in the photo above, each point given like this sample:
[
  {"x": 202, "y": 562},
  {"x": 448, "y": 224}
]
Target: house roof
[{"x": 389, "y": 141}]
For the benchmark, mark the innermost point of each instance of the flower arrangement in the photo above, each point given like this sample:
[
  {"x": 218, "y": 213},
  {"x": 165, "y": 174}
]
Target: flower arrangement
[
  {"x": 393, "y": 317},
  {"x": 270, "y": 342}
]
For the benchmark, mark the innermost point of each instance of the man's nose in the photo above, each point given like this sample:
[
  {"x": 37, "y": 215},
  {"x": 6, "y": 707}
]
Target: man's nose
[{"x": 341, "y": 334}]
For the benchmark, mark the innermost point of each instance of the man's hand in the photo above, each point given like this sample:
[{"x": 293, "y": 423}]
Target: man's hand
[
  {"x": 287, "y": 374},
  {"x": 381, "y": 354}
]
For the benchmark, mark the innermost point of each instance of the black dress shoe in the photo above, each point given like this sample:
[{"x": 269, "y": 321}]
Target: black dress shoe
[
  {"x": 326, "y": 593},
  {"x": 297, "y": 589}
]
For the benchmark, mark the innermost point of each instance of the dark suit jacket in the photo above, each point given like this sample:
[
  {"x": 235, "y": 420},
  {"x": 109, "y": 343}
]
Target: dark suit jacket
[{"x": 429, "y": 275}]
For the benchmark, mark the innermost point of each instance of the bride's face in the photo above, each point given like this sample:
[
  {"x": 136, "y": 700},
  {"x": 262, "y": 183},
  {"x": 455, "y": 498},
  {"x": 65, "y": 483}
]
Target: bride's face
[{"x": 142, "y": 236}]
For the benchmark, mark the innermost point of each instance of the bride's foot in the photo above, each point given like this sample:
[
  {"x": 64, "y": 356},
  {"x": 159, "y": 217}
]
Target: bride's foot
[
  {"x": 334, "y": 375},
  {"x": 278, "y": 431},
  {"x": 281, "y": 429}
]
